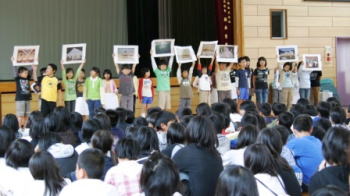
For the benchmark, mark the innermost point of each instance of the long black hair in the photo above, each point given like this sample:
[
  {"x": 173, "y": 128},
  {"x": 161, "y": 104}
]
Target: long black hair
[
  {"x": 258, "y": 159},
  {"x": 236, "y": 181},
  {"x": 42, "y": 166},
  {"x": 336, "y": 146},
  {"x": 11, "y": 122}
]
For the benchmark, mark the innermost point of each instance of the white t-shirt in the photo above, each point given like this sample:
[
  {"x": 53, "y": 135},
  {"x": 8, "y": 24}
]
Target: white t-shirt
[
  {"x": 273, "y": 183},
  {"x": 89, "y": 187},
  {"x": 147, "y": 88},
  {"x": 204, "y": 83},
  {"x": 13, "y": 180},
  {"x": 223, "y": 81},
  {"x": 83, "y": 146},
  {"x": 234, "y": 157},
  {"x": 304, "y": 78},
  {"x": 37, "y": 187}
]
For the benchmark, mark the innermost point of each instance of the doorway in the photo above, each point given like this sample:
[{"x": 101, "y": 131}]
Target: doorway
[{"x": 343, "y": 68}]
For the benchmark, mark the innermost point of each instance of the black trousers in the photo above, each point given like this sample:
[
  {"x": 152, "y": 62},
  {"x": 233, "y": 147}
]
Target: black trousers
[
  {"x": 70, "y": 106},
  {"x": 47, "y": 107}
]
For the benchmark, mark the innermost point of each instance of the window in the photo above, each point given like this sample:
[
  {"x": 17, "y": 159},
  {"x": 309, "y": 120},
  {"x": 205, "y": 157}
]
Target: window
[{"x": 278, "y": 24}]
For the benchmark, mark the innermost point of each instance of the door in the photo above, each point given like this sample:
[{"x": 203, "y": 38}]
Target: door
[{"x": 343, "y": 69}]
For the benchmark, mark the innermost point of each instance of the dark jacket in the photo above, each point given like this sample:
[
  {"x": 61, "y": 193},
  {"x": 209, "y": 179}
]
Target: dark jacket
[{"x": 335, "y": 175}]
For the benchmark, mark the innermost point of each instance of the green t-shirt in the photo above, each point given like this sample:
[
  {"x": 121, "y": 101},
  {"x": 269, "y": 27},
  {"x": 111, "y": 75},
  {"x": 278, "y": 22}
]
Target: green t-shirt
[
  {"x": 70, "y": 93},
  {"x": 163, "y": 79},
  {"x": 93, "y": 88}
]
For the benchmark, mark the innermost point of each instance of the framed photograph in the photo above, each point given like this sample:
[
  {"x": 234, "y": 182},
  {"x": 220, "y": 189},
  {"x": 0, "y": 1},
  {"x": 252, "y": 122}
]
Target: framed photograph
[
  {"x": 126, "y": 54},
  {"x": 163, "y": 47},
  {"x": 25, "y": 55},
  {"x": 312, "y": 62},
  {"x": 73, "y": 53},
  {"x": 207, "y": 49},
  {"x": 185, "y": 54},
  {"x": 287, "y": 53},
  {"x": 227, "y": 53}
]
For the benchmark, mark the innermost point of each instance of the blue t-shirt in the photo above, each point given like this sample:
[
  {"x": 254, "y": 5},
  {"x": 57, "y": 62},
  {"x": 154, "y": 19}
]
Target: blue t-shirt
[
  {"x": 307, "y": 152},
  {"x": 243, "y": 78}
]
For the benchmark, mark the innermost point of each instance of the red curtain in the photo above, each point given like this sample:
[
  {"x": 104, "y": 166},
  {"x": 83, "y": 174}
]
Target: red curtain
[{"x": 224, "y": 19}]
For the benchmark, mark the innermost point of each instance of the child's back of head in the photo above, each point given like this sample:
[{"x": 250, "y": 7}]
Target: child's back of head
[{"x": 91, "y": 161}]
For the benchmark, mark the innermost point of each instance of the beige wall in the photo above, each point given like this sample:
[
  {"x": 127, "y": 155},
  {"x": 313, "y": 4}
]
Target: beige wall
[{"x": 311, "y": 26}]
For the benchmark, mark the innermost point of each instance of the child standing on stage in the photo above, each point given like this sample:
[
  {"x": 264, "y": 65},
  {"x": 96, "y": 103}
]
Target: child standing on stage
[
  {"x": 109, "y": 98},
  {"x": 223, "y": 81},
  {"x": 49, "y": 90},
  {"x": 260, "y": 84},
  {"x": 163, "y": 81},
  {"x": 185, "y": 80},
  {"x": 80, "y": 104},
  {"x": 23, "y": 94},
  {"x": 203, "y": 82},
  {"x": 126, "y": 86},
  {"x": 243, "y": 76},
  {"x": 234, "y": 81},
  {"x": 93, "y": 88},
  {"x": 145, "y": 90},
  {"x": 287, "y": 84},
  {"x": 69, "y": 81}
]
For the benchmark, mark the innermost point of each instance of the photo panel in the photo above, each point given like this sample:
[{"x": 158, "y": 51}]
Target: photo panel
[
  {"x": 207, "y": 49},
  {"x": 227, "y": 53},
  {"x": 73, "y": 53},
  {"x": 126, "y": 54},
  {"x": 25, "y": 55},
  {"x": 312, "y": 62},
  {"x": 185, "y": 54},
  {"x": 287, "y": 53},
  {"x": 163, "y": 47}
]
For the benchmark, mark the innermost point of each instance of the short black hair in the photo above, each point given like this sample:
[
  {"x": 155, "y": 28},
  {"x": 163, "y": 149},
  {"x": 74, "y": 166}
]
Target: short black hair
[
  {"x": 140, "y": 121},
  {"x": 338, "y": 115},
  {"x": 21, "y": 69},
  {"x": 176, "y": 134},
  {"x": 323, "y": 109},
  {"x": 88, "y": 129},
  {"x": 265, "y": 109},
  {"x": 92, "y": 161},
  {"x": 218, "y": 121},
  {"x": 288, "y": 64},
  {"x": 109, "y": 72},
  {"x": 249, "y": 119},
  {"x": 311, "y": 110},
  {"x": 203, "y": 109},
  {"x": 284, "y": 132},
  {"x": 113, "y": 117},
  {"x": 69, "y": 70},
  {"x": 278, "y": 108},
  {"x": 247, "y": 58},
  {"x": 127, "y": 148},
  {"x": 102, "y": 140},
  {"x": 248, "y": 106},
  {"x": 335, "y": 145},
  {"x": 318, "y": 132},
  {"x": 10, "y": 121},
  {"x": 324, "y": 123},
  {"x": 221, "y": 108},
  {"x": 53, "y": 66},
  {"x": 164, "y": 117},
  {"x": 76, "y": 121},
  {"x": 6, "y": 138},
  {"x": 286, "y": 119},
  {"x": 302, "y": 123},
  {"x": 96, "y": 69},
  {"x": 233, "y": 105},
  {"x": 247, "y": 136},
  {"x": 242, "y": 58},
  {"x": 103, "y": 120},
  {"x": 303, "y": 101},
  {"x": 329, "y": 190},
  {"x": 19, "y": 153},
  {"x": 143, "y": 71},
  {"x": 297, "y": 109}
]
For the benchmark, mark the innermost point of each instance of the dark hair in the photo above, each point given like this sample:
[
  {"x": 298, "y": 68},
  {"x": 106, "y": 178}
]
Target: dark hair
[
  {"x": 336, "y": 146},
  {"x": 248, "y": 106},
  {"x": 249, "y": 119},
  {"x": 247, "y": 136},
  {"x": 61, "y": 116},
  {"x": 221, "y": 108},
  {"x": 218, "y": 121},
  {"x": 127, "y": 148},
  {"x": 288, "y": 64},
  {"x": 259, "y": 159},
  {"x": 203, "y": 109},
  {"x": 273, "y": 141},
  {"x": 6, "y": 138},
  {"x": 176, "y": 134},
  {"x": 10, "y": 121},
  {"x": 164, "y": 117},
  {"x": 102, "y": 140},
  {"x": 107, "y": 71},
  {"x": 42, "y": 166},
  {"x": 329, "y": 190},
  {"x": 36, "y": 126},
  {"x": 242, "y": 58},
  {"x": 303, "y": 101},
  {"x": 153, "y": 110},
  {"x": 92, "y": 161},
  {"x": 247, "y": 58},
  {"x": 48, "y": 140},
  {"x": 140, "y": 121},
  {"x": 152, "y": 118},
  {"x": 42, "y": 70},
  {"x": 200, "y": 131},
  {"x": 159, "y": 176},
  {"x": 88, "y": 129},
  {"x": 183, "y": 112},
  {"x": 311, "y": 110},
  {"x": 265, "y": 109},
  {"x": 103, "y": 120},
  {"x": 261, "y": 59},
  {"x": 122, "y": 115},
  {"x": 278, "y": 108},
  {"x": 318, "y": 132},
  {"x": 76, "y": 121},
  {"x": 113, "y": 117},
  {"x": 323, "y": 109},
  {"x": 185, "y": 120},
  {"x": 143, "y": 71},
  {"x": 324, "y": 123},
  {"x": 297, "y": 109},
  {"x": 96, "y": 69},
  {"x": 233, "y": 105},
  {"x": 303, "y": 122},
  {"x": 338, "y": 115},
  {"x": 53, "y": 66},
  {"x": 284, "y": 132},
  {"x": 236, "y": 180},
  {"x": 21, "y": 70},
  {"x": 69, "y": 70},
  {"x": 19, "y": 153},
  {"x": 285, "y": 119},
  {"x": 147, "y": 138},
  {"x": 333, "y": 99}
]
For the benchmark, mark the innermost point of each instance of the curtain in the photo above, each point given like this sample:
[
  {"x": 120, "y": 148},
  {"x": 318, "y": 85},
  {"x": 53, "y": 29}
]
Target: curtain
[
  {"x": 224, "y": 20},
  {"x": 51, "y": 23},
  {"x": 165, "y": 18}
]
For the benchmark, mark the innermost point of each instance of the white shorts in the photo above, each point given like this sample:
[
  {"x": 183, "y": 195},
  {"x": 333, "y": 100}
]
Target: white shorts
[
  {"x": 110, "y": 101},
  {"x": 81, "y": 106}
]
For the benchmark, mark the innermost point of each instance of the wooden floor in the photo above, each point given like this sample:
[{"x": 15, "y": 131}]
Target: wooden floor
[{"x": 9, "y": 106}]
